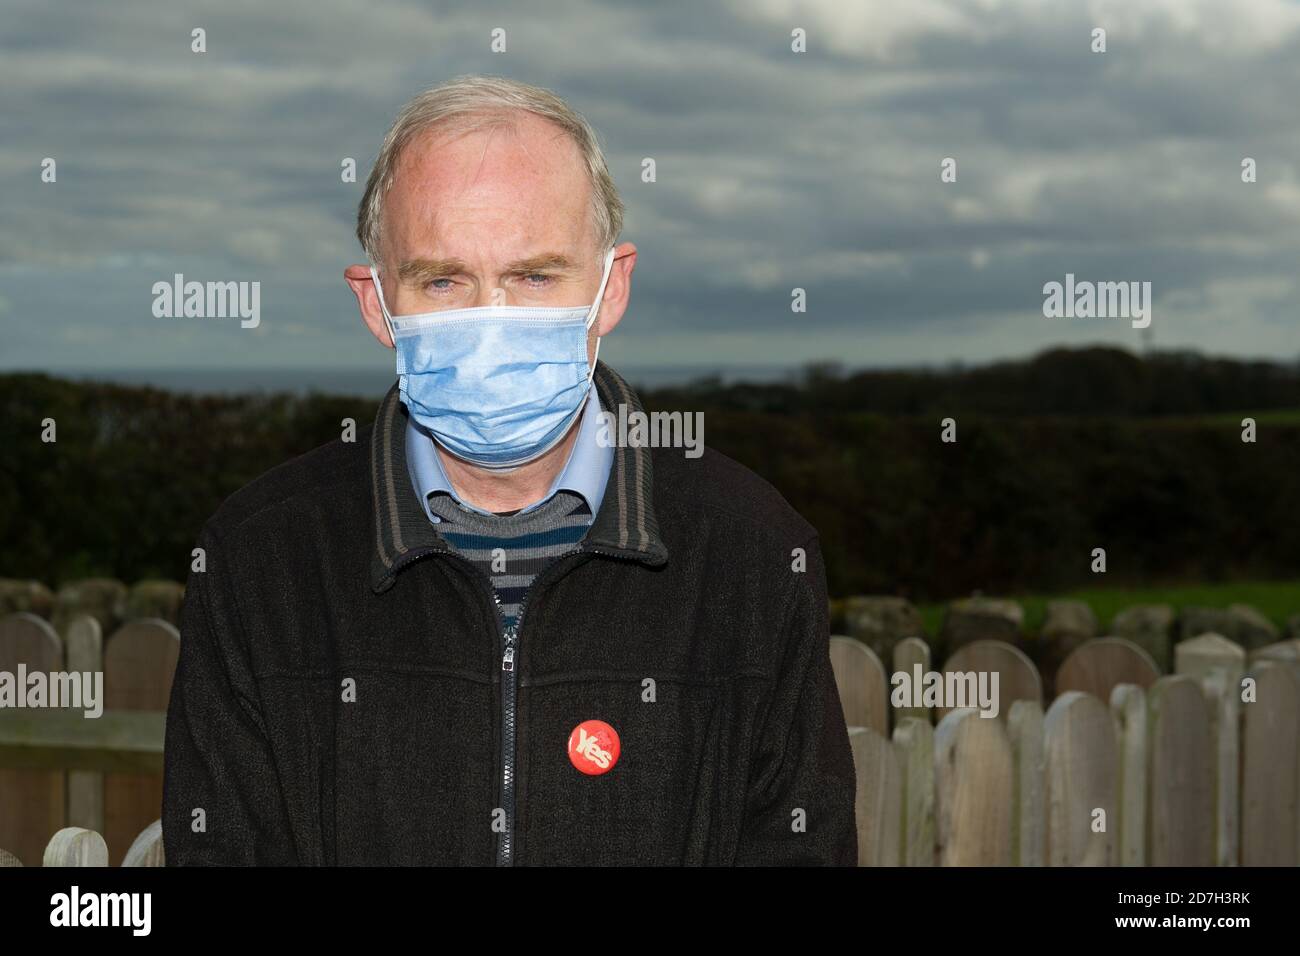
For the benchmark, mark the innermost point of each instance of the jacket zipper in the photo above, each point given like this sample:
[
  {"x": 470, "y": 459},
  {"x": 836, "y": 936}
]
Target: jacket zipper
[
  {"x": 509, "y": 643},
  {"x": 509, "y": 716},
  {"x": 509, "y": 687},
  {"x": 509, "y": 693}
]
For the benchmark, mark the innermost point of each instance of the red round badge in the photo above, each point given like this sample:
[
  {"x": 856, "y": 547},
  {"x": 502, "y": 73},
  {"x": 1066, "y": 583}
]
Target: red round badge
[{"x": 594, "y": 747}]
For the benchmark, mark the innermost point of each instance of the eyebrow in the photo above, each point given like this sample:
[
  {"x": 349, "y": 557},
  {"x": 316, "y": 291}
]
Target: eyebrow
[{"x": 428, "y": 270}]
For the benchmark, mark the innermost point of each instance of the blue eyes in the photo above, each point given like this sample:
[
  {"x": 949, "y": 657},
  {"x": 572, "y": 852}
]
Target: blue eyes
[{"x": 535, "y": 280}]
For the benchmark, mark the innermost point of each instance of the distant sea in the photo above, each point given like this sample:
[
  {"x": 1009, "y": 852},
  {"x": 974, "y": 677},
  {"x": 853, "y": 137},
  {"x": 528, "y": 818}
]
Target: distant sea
[{"x": 375, "y": 382}]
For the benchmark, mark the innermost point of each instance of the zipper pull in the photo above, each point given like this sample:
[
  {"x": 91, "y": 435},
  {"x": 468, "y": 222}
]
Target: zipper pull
[{"x": 508, "y": 658}]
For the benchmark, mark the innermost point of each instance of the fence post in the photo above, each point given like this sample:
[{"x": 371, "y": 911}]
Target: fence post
[
  {"x": 1017, "y": 676},
  {"x": 1284, "y": 652},
  {"x": 33, "y": 803},
  {"x": 1128, "y": 704},
  {"x": 908, "y": 654},
  {"x": 1270, "y": 765},
  {"x": 76, "y": 846},
  {"x": 914, "y": 744},
  {"x": 1098, "y": 666},
  {"x": 973, "y": 771},
  {"x": 139, "y": 663},
  {"x": 1219, "y": 665},
  {"x": 1082, "y": 761},
  {"x": 862, "y": 683},
  {"x": 1180, "y": 775},
  {"x": 879, "y": 804},
  {"x": 85, "y": 654},
  {"x": 147, "y": 850},
  {"x": 1028, "y": 828}
]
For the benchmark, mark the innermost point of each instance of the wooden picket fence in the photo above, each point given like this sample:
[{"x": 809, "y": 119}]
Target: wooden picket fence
[
  {"x": 64, "y": 772},
  {"x": 77, "y": 846},
  {"x": 1127, "y": 766}
]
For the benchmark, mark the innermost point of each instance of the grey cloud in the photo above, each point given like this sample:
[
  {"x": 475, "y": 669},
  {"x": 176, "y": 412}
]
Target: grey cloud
[{"x": 775, "y": 170}]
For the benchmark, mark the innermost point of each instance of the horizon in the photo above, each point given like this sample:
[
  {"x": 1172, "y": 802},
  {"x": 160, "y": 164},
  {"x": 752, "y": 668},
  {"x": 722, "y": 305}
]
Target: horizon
[{"x": 374, "y": 381}]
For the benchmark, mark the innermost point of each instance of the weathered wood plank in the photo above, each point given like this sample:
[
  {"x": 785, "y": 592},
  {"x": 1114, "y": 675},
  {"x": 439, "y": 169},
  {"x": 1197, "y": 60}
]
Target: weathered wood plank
[
  {"x": 972, "y": 759},
  {"x": 33, "y": 801},
  {"x": 1028, "y": 822},
  {"x": 1098, "y": 666},
  {"x": 1283, "y": 652},
  {"x": 1220, "y": 665},
  {"x": 910, "y": 653},
  {"x": 1270, "y": 767},
  {"x": 914, "y": 744},
  {"x": 1018, "y": 678},
  {"x": 147, "y": 850},
  {"x": 76, "y": 846},
  {"x": 1082, "y": 790},
  {"x": 119, "y": 741},
  {"x": 139, "y": 663},
  {"x": 84, "y": 649},
  {"x": 1128, "y": 704},
  {"x": 1180, "y": 774},
  {"x": 862, "y": 683},
  {"x": 879, "y": 798}
]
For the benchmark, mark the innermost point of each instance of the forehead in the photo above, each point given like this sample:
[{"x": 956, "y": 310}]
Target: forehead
[{"x": 508, "y": 181}]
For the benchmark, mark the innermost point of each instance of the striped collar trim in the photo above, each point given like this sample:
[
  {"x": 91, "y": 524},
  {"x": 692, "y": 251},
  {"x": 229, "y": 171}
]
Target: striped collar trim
[{"x": 625, "y": 526}]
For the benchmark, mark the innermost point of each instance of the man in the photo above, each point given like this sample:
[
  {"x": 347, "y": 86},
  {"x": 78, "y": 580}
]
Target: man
[{"x": 481, "y": 633}]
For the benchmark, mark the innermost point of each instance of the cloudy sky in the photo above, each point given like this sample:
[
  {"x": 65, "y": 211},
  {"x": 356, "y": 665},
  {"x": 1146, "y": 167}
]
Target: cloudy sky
[{"x": 776, "y": 170}]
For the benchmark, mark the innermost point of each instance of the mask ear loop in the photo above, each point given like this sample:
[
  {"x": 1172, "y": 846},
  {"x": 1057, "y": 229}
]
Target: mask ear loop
[
  {"x": 595, "y": 310},
  {"x": 388, "y": 319}
]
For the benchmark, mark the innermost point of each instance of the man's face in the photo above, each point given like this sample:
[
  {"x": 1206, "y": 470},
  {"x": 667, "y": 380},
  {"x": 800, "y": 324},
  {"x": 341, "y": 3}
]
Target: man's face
[{"x": 497, "y": 216}]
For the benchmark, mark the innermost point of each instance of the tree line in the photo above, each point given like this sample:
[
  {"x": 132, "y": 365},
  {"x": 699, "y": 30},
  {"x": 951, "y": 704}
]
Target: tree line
[{"x": 1054, "y": 457}]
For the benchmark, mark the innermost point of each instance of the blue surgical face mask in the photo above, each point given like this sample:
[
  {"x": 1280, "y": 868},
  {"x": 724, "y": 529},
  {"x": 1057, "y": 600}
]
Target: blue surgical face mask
[{"x": 497, "y": 385}]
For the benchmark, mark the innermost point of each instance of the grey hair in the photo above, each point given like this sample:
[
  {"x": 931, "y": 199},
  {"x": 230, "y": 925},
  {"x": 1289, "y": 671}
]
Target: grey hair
[{"x": 468, "y": 102}]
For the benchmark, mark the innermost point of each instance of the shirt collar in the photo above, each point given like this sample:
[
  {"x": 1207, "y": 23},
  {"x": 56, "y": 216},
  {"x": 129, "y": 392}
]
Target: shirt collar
[
  {"x": 585, "y": 473},
  {"x": 401, "y": 532}
]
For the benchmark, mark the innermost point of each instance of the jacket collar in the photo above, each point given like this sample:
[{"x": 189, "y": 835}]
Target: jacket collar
[{"x": 625, "y": 525}]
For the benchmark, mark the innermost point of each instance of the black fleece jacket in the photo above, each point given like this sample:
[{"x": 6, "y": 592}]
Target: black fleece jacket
[{"x": 341, "y": 699}]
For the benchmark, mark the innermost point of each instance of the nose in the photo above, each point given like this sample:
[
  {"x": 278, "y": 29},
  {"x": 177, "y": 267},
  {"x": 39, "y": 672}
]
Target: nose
[{"x": 491, "y": 295}]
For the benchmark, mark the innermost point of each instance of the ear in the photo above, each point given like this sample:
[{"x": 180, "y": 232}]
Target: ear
[
  {"x": 618, "y": 289},
  {"x": 363, "y": 287}
]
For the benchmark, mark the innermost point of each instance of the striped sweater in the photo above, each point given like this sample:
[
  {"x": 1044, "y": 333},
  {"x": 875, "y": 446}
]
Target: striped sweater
[{"x": 512, "y": 549}]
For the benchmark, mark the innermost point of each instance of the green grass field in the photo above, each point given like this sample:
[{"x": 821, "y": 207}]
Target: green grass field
[{"x": 1276, "y": 600}]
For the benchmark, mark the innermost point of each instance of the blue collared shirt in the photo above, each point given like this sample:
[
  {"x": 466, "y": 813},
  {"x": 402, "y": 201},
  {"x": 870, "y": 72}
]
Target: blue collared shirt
[{"x": 585, "y": 473}]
